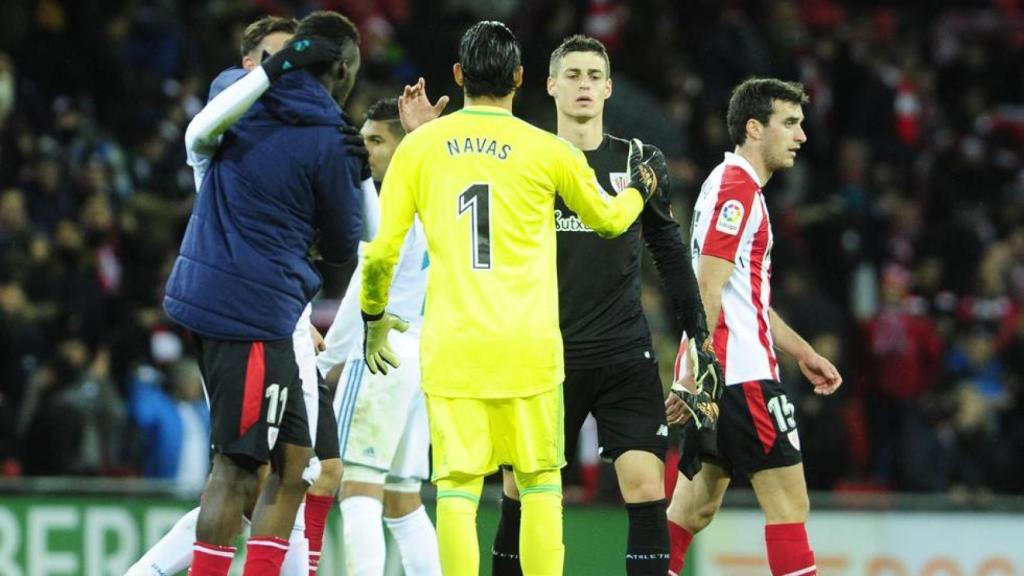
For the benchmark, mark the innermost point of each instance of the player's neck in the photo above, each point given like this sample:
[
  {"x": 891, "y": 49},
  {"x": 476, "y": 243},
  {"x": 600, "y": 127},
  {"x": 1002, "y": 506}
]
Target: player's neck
[
  {"x": 756, "y": 160},
  {"x": 586, "y": 135},
  {"x": 502, "y": 102}
]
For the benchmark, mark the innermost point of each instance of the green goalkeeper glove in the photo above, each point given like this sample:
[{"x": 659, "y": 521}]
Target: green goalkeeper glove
[{"x": 377, "y": 350}]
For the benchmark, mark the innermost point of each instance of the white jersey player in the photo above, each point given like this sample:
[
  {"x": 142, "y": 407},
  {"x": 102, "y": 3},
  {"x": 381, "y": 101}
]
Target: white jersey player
[{"x": 382, "y": 420}]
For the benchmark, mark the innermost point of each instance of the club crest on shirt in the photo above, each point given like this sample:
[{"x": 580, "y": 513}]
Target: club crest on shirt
[
  {"x": 730, "y": 217},
  {"x": 620, "y": 181}
]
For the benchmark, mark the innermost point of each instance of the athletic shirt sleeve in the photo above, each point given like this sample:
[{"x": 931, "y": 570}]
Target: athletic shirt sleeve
[{"x": 732, "y": 213}]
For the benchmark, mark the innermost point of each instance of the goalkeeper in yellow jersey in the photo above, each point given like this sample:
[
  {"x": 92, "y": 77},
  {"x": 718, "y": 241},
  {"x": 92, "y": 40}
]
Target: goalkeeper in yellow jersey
[{"x": 483, "y": 183}]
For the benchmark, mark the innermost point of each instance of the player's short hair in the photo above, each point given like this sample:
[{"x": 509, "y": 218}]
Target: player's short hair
[
  {"x": 330, "y": 25},
  {"x": 489, "y": 54},
  {"x": 386, "y": 110},
  {"x": 579, "y": 43},
  {"x": 260, "y": 29},
  {"x": 755, "y": 98}
]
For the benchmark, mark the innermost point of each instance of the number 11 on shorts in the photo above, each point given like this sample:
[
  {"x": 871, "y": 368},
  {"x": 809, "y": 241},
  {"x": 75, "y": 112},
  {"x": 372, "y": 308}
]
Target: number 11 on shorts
[{"x": 278, "y": 397}]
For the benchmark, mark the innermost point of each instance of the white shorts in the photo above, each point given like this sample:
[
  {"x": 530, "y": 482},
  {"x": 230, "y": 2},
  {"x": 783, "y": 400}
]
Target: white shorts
[
  {"x": 305, "y": 357},
  {"x": 382, "y": 419}
]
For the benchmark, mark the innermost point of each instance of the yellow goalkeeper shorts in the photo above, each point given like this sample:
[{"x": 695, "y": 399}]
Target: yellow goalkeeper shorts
[{"x": 473, "y": 436}]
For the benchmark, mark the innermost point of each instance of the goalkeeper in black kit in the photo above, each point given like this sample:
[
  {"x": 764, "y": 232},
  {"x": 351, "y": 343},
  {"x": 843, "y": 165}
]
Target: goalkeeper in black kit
[{"x": 610, "y": 368}]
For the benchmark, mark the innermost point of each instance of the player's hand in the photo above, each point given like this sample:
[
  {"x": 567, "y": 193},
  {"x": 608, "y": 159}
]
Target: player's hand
[
  {"x": 822, "y": 374},
  {"x": 641, "y": 166},
  {"x": 301, "y": 52},
  {"x": 415, "y": 109},
  {"x": 698, "y": 381},
  {"x": 318, "y": 340},
  {"x": 676, "y": 413},
  {"x": 702, "y": 409},
  {"x": 356, "y": 145},
  {"x": 376, "y": 349},
  {"x": 660, "y": 167},
  {"x": 704, "y": 365}
]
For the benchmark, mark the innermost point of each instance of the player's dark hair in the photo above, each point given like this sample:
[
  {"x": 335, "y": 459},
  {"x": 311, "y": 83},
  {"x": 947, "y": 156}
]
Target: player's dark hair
[
  {"x": 489, "y": 54},
  {"x": 579, "y": 43},
  {"x": 255, "y": 33},
  {"x": 755, "y": 98},
  {"x": 383, "y": 110},
  {"x": 386, "y": 110},
  {"x": 332, "y": 26}
]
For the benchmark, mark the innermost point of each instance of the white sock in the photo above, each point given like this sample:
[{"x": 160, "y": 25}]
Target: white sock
[
  {"x": 173, "y": 553},
  {"x": 296, "y": 560},
  {"x": 364, "y": 535},
  {"x": 417, "y": 542}
]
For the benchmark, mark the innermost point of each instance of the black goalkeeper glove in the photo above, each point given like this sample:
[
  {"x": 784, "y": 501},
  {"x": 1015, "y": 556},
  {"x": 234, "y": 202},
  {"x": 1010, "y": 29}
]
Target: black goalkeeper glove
[
  {"x": 647, "y": 170},
  {"x": 660, "y": 167},
  {"x": 701, "y": 402},
  {"x": 707, "y": 371},
  {"x": 301, "y": 52}
]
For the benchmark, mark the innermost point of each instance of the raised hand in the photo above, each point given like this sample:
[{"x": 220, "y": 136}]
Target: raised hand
[{"x": 414, "y": 107}]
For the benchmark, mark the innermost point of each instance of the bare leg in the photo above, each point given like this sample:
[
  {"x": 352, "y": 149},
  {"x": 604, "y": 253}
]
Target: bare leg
[
  {"x": 282, "y": 493},
  {"x": 228, "y": 490}
]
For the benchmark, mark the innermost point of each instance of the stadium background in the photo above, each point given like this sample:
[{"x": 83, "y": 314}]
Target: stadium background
[{"x": 899, "y": 252}]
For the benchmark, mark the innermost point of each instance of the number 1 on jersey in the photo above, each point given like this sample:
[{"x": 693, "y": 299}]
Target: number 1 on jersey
[{"x": 477, "y": 201}]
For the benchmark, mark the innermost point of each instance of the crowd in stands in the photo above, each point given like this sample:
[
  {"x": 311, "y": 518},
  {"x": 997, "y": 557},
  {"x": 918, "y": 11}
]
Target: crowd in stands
[{"x": 899, "y": 235}]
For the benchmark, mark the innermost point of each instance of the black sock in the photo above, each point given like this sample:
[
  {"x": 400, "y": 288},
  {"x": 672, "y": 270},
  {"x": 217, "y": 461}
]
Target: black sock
[
  {"x": 647, "y": 546},
  {"x": 505, "y": 552}
]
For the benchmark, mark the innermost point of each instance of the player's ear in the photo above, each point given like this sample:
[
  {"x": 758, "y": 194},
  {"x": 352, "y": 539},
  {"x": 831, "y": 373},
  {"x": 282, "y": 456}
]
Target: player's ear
[
  {"x": 517, "y": 77},
  {"x": 754, "y": 129},
  {"x": 457, "y": 74},
  {"x": 551, "y": 86},
  {"x": 608, "y": 89}
]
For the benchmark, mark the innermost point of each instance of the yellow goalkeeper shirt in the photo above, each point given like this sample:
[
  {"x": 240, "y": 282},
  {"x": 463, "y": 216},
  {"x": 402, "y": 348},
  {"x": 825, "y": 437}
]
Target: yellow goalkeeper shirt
[{"x": 483, "y": 183}]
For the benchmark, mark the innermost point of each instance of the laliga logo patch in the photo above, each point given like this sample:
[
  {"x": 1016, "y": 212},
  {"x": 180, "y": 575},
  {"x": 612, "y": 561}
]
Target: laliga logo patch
[
  {"x": 730, "y": 217},
  {"x": 620, "y": 180}
]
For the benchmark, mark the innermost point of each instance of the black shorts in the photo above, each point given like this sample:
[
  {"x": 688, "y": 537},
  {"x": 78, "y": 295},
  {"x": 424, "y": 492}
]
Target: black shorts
[
  {"x": 756, "y": 431},
  {"x": 628, "y": 403},
  {"x": 255, "y": 397},
  {"x": 326, "y": 447}
]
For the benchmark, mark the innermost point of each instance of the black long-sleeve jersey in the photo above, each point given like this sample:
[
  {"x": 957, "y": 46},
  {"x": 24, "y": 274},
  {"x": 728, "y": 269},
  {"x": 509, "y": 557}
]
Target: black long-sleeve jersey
[{"x": 599, "y": 285}]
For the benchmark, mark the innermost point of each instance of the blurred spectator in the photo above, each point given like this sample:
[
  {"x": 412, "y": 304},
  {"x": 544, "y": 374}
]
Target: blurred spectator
[
  {"x": 72, "y": 420},
  {"x": 902, "y": 354},
  {"x": 8, "y": 88},
  {"x": 174, "y": 423}
]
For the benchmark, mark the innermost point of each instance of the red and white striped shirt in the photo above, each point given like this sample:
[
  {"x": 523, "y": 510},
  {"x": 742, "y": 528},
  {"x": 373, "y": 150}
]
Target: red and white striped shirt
[{"x": 730, "y": 221}]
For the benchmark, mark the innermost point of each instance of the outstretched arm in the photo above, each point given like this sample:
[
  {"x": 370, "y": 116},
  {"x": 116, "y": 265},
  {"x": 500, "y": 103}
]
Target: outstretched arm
[{"x": 204, "y": 132}]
